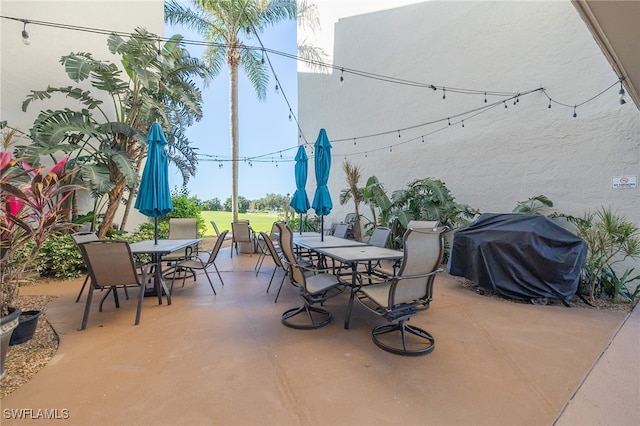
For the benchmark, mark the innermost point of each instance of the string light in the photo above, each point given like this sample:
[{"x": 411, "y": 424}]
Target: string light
[
  {"x": 341, "y": 76},
  {"x": 262, "y": 60},
  {"x": 159, "y": 52},
  {"x": 25, "y": 34},
  {"x": 505, "y": 104},
  {"x": 621, "y": 93},
  {"x": 449, "y": 121},
  {"x": 26, "y": 40},
  {"x": 354, "y": 141}
]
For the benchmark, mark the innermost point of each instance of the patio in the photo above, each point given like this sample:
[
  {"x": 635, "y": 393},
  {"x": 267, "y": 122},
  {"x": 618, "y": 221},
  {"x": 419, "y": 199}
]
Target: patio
[{"x": 227, "y": 359}]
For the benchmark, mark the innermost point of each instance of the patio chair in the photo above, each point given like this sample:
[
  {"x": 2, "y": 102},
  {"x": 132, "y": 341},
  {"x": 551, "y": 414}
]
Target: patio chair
[
  {"x": 262, "y": 245},
  {"x": 216, "y": 230},
  {"x": 387, "y": 268},
  {"x": 275, "y": 254},
  {"x": 410, "y": 291},
  {"x": 380, "y": 236},
  {"x": 195, "y": 263},
  {"x": 341, "y": 230},
  {"x": 181, "y": 228},
  {"x": 111, "y": 265},
  {"x": 242, "y": 233},
  {"x": 315, "y": 286},
  {"x": 79, "y": 238}
]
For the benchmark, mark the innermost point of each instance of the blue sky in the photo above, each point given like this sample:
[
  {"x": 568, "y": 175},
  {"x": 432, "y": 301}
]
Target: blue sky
[{"x": 264, "y": 126}]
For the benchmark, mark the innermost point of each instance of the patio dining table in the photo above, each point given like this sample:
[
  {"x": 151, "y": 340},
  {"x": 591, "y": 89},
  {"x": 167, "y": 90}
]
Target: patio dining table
[
  {"x": 353, "y": 255},
  {"x": 157, "y": 250}
]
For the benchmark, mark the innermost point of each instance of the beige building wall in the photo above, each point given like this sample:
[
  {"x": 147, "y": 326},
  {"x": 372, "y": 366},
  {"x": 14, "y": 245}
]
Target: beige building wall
[
  {"x": 501, "y": 156},
  {"x": 36, "y": 66}
]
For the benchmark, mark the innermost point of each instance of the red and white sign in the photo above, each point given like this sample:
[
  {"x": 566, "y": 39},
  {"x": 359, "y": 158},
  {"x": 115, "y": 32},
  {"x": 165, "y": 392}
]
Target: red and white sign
[{"x": 624, "y": 182}]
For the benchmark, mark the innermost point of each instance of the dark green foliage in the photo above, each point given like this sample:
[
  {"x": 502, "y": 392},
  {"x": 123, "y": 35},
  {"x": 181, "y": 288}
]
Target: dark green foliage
[
  {"x": 185, "y": 206},
  {"x": 59, "y": 257}
]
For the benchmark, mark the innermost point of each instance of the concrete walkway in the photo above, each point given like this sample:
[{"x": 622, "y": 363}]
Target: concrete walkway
[{"x": 228, "y": 360}]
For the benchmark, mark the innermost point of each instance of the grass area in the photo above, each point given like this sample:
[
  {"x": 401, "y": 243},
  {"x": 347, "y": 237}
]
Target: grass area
[{"x": 259, "y": 221}]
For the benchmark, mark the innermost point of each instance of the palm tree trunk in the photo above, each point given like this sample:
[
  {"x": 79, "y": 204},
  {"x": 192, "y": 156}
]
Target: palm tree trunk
[
  {"x": 115, "y": 196},
  {"x": 233, "y": 126}
]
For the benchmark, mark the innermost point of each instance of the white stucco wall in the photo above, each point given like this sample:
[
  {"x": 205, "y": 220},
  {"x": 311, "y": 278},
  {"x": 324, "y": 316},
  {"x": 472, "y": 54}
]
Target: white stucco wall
[
  {"x": 502, "y": 156},
  {"x": 36, "y": 66}
]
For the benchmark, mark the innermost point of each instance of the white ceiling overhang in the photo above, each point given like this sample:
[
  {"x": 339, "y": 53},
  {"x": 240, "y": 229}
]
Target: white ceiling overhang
[{"x": 615, "y": 25}]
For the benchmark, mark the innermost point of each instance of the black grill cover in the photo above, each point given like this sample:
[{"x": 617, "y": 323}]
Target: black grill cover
[{"x": 518, "y": 256}]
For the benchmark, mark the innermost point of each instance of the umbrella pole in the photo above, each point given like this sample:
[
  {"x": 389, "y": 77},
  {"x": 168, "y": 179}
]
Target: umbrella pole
[
  {"x": 155, "y": 229},
  {"x": 322, "y": 228},
  {"x": 300, "y": 224}
]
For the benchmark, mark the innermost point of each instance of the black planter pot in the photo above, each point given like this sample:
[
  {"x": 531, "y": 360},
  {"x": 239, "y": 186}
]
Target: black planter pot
[
  {"x": 27, "y": 324},
  {"x": 7, "y": 325}
]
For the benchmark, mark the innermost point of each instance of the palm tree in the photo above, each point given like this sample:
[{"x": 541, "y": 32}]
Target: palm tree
[
  {"x": 224, "y": 24},
  {"x": 353, "y": 174}
]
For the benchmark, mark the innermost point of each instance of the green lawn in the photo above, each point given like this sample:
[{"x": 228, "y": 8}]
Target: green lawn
[{"x": 259, "y": 221}]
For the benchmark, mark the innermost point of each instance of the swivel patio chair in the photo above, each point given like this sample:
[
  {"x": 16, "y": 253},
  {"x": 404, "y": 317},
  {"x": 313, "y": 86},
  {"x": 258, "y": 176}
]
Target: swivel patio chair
[
  {"x": 111, "y": 265},
  {"x": 400, "y": 297},
  {"x": 195, "y": 262},
  {"x": 315, "y": 286},
  {"x": 242, "y": 233}
]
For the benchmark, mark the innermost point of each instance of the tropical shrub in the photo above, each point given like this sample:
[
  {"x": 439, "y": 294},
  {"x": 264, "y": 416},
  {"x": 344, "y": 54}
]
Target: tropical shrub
[{"x": 611, "y": 239}]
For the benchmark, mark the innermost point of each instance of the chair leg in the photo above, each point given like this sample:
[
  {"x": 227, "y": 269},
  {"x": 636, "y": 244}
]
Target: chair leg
[
  {"x": 140, "y": 297},
  {"x": 218, "y": 272},
  {"x": 306, "y": 309},
  {"x": 87, "y": 307},
  {"x": 271, "y": 280},
  {"x": 280, "y": 288},
  {"x": 424, "y": 345},
  {"x": 210, "y": 283},
  {"x": 84, "y": 284}
]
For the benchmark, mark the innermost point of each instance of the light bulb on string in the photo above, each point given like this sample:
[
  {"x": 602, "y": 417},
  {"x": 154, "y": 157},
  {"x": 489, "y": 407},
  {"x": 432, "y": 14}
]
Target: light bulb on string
[
  {"x": 621, "y": 93},
  {"x": 399, "y": 133},
  {"x": 549, "y": 103},
  {"x": 25, "y": 35},
  {"x": 574, "y": 111},
  {"x": 341, "y": 76},
  {"x": 462, "y": 123},
  {"x": 449, "y": 121},
  {"x": 290, "y": 115},
  {"x": 159, "y": 52},
  {"x": 262, "y": 59},
  {"x": 354, "y": 141},
  {"x": 280, "y": 154},
  {"x": 505, "y": 104},
  {"x": 444, "y": 93},
  {"x": 423, "y": 139},
  {"x": 277, "y": 89},
  {"x": 365, "y": 155},
  {"x": 485, "y": 97}
]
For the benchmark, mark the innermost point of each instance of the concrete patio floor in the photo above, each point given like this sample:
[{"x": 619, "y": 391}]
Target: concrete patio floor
[{"x": 227, "y": 359}]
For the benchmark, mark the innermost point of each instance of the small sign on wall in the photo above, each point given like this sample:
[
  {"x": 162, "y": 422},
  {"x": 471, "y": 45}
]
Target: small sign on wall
[{"x": 624, "y": 182}]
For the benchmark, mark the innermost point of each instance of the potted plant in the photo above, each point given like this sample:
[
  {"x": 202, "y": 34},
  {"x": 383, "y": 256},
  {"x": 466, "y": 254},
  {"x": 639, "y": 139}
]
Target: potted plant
[{"x": 32, "y": 208}]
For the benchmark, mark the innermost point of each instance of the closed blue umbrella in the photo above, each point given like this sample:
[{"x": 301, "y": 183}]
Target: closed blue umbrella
[
  {"x": 322, "y": 199},
  {"x": 154, "y": 195},
  {"x": 300, "y": 201}
]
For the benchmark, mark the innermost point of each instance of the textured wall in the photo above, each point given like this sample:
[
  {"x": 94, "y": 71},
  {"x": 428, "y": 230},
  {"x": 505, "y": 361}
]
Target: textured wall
[{"x": 502, "y": 156}]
